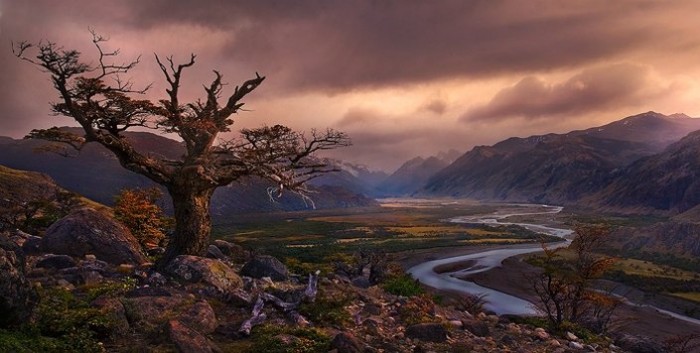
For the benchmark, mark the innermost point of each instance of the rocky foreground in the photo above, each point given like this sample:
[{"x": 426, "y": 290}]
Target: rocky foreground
[{"x": 102, "y": 294}]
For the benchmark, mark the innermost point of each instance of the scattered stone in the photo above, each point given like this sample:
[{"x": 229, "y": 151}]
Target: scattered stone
[
  {"x": 456, "y": 324},
  {"x": 188, "y": 340},
  {"x": 477, "y": 328},
  {"x": 590, "y": 348},
  {"x": 17, "y": 297},
  {"x": 541, "y": 334},
  {"x": 126, "y": 269},
  {"x": 64, "y": 284},
  {"x": 265, "y": 266},
  {"x": 507, "y": 340},
  {"x": 554, "y": 343},
  {"x": 211, "y": 272},
  {"x": 570, "y": 336},
  {"x": 361, "y": 282},
  {"x": 346, "y": 342},
  {"x": 56, "y": 262},
  {"x": 575, "y": 345},
  {"x": 90, "y": 278},
  {"x": 431, "y": 332},
  {"x": 87, "y": 231},
  {"x": 156, "y": 279}
]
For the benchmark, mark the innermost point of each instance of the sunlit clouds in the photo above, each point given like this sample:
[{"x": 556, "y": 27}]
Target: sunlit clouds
[{"x": 402, "y": 78}]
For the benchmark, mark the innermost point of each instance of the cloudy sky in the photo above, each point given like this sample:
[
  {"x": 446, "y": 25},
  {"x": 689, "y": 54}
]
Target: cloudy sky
[{"x": 402, "y": 78}]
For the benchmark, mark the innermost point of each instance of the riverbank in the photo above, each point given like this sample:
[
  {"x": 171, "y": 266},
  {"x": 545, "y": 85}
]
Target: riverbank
[{"x": 513, "y": 278}]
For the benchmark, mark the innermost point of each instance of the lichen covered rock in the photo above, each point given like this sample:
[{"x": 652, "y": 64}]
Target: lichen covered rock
[
  {"x": 200, "y": 270},
  {"x": 87, "y": 231}
]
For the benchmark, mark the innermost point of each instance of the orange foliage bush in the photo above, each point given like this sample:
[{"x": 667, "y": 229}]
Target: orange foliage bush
[{"x": 138, "y": 211}]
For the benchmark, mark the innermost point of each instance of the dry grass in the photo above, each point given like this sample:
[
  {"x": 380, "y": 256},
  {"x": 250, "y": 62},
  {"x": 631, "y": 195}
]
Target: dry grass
[
  {"x": 648, "y": 269},
  {"x": 692, "y": 296}
]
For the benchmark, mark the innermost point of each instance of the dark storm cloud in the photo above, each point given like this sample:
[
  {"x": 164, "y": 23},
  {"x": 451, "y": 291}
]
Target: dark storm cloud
[
  {"x": 592, "y": 90},
  {"x": 344, "y": 45}
]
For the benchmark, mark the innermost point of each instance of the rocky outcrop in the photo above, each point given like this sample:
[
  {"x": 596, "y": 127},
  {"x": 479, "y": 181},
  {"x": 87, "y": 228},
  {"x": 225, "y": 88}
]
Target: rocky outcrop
[
  {"x": 266, "y": 266},
  {"x": 17, "y": 297},
  {"x": 87, "y": 231},
  {"x": 209, "y": 272}
]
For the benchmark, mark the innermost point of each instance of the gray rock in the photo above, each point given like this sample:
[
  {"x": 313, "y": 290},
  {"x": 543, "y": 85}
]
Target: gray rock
[
  {"x": 215, "y": 253},
  {"x": 346, "y": 342},
  {"x": 477, "y": 328},
  {"x": 188, "y": 340},
  {"x": 57, "y": 262},
  {"x": 87, "y": 231},
  {"x": 575, "y": 345},
  {"x": 233, "y": 251},
  {"x": 431, "y": 332},
  {"x": 200, "y": 317},
  {"x": 361, "y": 282},
  {"x": 210, "y": 272},
  {"x": 114, "y": 310},
  {"x": 17, "y": 297},
  {"x": 265, "y": 266}
]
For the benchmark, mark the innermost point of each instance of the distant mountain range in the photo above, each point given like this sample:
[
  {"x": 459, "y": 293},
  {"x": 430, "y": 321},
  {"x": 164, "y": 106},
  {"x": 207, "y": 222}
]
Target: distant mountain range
[
  {"x": 644, "y": 163},
  {"x": 413, "y": 174},
  {"x": 96, "y": 174},
  {"x": 632, "y": 164}
]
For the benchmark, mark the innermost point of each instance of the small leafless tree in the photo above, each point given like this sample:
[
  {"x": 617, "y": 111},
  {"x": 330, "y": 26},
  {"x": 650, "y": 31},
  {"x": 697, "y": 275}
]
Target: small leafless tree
[
  {"x": 105, "y": 106},
  {"x": 564, "y": 286}
]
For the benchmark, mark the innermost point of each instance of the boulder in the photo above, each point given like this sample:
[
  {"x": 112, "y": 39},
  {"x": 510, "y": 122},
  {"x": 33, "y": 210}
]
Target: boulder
[
  {"x": 265, "y": 266},
  {"x": 188, "y": 340},
  {"x": 431, "y": 332},
  {"x": 56, "y": 262},
  {"x": 346, "y": 342},
  {"x": 87, "y": 231},
  {"x": 200, "y": 317},
  {"x": 211, "y": 272},
  {"x": 233, "y": 251},
  {"x": 114, "y": 310},
  {"x": 17, "y": 297}
]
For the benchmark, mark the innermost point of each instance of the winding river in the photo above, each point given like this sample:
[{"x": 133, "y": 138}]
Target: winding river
[{"x": 496, "y": 301}]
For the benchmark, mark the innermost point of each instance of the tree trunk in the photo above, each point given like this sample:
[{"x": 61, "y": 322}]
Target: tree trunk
[{"x": 192, "y": 222}]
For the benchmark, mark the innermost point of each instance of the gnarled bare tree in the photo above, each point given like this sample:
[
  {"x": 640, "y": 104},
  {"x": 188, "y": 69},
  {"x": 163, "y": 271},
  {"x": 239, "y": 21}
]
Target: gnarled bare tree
[{"x": 103, "y": 104}]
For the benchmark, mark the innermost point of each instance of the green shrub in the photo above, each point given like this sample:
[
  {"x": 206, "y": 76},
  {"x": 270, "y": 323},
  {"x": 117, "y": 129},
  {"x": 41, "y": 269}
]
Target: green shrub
[
  {"x": 328, "y": 309},
  {"x": 281, "y": 339},
  {"x": 404, "y": 285},
  {"x": 61, "y": 314}
]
